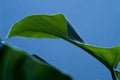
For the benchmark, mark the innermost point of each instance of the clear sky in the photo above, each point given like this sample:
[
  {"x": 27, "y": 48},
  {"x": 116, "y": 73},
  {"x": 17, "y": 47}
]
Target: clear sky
[{"x": 96, "y": 21}]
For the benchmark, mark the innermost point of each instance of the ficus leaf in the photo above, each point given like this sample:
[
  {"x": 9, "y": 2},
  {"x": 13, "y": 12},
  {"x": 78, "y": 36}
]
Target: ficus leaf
[{"x": 16, "y": 64}]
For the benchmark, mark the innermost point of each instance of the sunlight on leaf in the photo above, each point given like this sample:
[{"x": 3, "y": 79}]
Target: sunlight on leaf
[{"x": 40, "y": 26}]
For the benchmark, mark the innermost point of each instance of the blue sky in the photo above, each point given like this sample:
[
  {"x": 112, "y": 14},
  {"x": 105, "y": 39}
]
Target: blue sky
[{"x": 96, "y": 21}]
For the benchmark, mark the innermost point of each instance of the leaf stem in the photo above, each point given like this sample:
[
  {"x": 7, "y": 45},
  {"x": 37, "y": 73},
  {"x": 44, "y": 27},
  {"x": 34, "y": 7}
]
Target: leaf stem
[
  {"x": 113, "y": 74},
  {"x": 90, "y": 52}
]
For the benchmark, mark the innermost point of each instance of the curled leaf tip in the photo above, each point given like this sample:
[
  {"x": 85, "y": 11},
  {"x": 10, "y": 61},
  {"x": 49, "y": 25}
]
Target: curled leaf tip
[{"x": 72, "y": 34}]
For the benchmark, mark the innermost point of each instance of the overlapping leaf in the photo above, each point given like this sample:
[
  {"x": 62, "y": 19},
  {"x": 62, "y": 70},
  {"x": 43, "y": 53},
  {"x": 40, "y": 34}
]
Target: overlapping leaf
[
  {"x": 57, "y": 26},
  {"x": 16, "y": 64}
]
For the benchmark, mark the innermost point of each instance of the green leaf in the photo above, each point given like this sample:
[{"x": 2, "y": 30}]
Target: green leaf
[
  {"x": 58, "y": 27},
  {"x": 40, "y": 26},
  {"x": 16, "y": 64},
  {"x": 44, "y": 26},
  {"x": 108, "y": 56}
]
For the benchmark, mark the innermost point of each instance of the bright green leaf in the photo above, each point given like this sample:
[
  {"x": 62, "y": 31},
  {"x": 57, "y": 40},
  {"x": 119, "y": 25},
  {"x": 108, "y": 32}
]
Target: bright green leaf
[
  {"x": 40, "y": 26},
  {"x": 16, "y": 64},
  {"x": 44, "y": 26}
]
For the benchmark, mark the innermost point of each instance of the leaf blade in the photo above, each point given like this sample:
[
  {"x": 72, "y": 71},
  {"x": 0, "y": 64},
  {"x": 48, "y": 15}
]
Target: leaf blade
[
  {"x": 16, "y": 64},
  {"x": 39, "y": 26},
  {"x": 44, "y": 26}
]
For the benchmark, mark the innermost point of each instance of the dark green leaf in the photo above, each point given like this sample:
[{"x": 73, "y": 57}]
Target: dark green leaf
[
  {"x": 16, "y": 64},
  {"x": 39, "y": 58},
  {"x": 72, "y": 33}
]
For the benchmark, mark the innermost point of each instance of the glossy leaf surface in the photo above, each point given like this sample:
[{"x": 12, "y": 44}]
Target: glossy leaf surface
[{"x": 16, "y": 64}]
